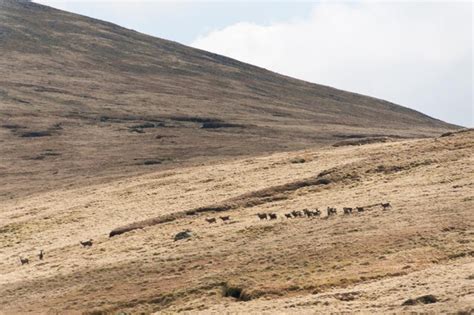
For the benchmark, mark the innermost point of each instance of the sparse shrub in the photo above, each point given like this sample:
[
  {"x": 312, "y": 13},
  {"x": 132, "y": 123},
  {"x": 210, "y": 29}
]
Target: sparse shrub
[
  {"x": 236, "y": 292},
  {"x": 151, "y": 162},
  {"x": 323, "y": 181},
  {"x": 425, "y": 299},
  {"x": 35, "y": 134}
]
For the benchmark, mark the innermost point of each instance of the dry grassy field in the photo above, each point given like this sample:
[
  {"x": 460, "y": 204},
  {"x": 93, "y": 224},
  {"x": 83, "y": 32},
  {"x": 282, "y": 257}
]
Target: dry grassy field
[
  {"x": 113, "y": 143},
  {"x": 371, "y": 261}
]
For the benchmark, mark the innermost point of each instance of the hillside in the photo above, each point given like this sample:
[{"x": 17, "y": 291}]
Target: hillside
[
  {"x": 83, "y": 101},
  {"x": 372, "y": 261}
]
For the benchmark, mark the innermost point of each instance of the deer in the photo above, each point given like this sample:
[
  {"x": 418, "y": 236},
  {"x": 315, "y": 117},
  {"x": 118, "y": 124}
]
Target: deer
[
  {"x": 347, "y": 210},
  {"x": 87, "y": 243},
  {"x": 331, "y": 211},
  {"x": 386, "y": 205},
  {"x": 272, "y": 216},
  {"x": 226, "y": 218},
  {"x": 41, "y": 255},
  {"x": 296, "y": 213},
  {"x": 211, "y": 220},
  {"x": 24, "y": 261},
  {"x": 262, "y": 216}
]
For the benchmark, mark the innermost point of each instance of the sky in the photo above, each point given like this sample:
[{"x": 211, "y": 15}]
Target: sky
[{"x": 417, "y": 54}]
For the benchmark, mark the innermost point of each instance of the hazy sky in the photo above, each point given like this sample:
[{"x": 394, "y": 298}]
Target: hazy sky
[{"x": 416, "y": 54}]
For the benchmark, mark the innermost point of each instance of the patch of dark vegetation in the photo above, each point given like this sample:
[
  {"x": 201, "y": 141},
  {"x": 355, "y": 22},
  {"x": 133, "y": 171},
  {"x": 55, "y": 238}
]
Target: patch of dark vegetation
[
  {"x": 323, "y": 181},
  {"x": 214, "y": 208},
  {"x": 216, "y": 125},
  {"x": 235, "y": 292},
  {"x": 20, "y": 101},
  {"x": 461, "y": 255},
  {"x": 50, "y": 153},
  {"x": 361, "y": 141},
  {"x": 13, "y": 126},
  {"x": 145, "y": 223},
  {"x": 452, "y": 133},
  {"x": 425, "y": 299},
  {"x": 44, "y": 155},
  {"x": 194, "y": 119},
  {"x": 326, "y": 172},
  {"x": 147, "y": 125},
  {"x": 152, "y": 162},
  {"x": 114, "y": 119},
  {"x": 362, "y": 136},
  {"x": 137, "y": 130},
  {"x": 390, "y": 169},
  {"x": 275, "y": 193},
  {"x": 35, "y": 134},
  {"x": 446, "y": 134},
  {"x": 206, "y": 122}
]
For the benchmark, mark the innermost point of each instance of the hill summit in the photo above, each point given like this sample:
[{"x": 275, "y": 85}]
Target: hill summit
[{"x": 82, "y": 98}]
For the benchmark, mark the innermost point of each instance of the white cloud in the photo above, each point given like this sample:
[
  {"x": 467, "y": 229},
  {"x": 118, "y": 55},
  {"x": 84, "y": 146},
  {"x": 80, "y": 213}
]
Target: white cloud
[{"x": 416, "y": 54}]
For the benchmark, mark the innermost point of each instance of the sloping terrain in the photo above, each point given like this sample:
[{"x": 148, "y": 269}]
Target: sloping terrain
[
  {"x": 416, "y": 255},
  {"x": 82, "y": 100}
]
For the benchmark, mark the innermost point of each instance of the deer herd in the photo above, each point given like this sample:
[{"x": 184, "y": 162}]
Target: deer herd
[
  {"x": 306, "y": 213},
  {"x": 262, "y": 216}
]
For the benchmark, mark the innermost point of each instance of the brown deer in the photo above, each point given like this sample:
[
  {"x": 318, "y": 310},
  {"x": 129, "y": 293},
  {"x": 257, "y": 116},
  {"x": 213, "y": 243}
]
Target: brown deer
[
  {"x": 347, "y": 210},
  {"x": 24, "y": 261},
  {"x": 262, "y": 216},
  {"x": 211, "y": 220},
  {"x": 296, "y": 214},
  {"x": 331, "y": 211},
  {"x": 87, "y": 243},
  {"x": 386, "y": 205},
  {"x": 226, "y": 218}
]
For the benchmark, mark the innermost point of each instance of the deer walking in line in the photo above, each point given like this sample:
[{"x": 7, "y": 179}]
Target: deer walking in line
[
  {"x": 87, "y": 243},
  {"x": 347, "y": 210},
  {"x": 211, "y": 220},
  {"x": 331, "y": 211}
]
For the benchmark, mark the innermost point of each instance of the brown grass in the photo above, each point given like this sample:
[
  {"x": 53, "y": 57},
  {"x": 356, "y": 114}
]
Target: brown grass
[{"x": 368, "y": 262}]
